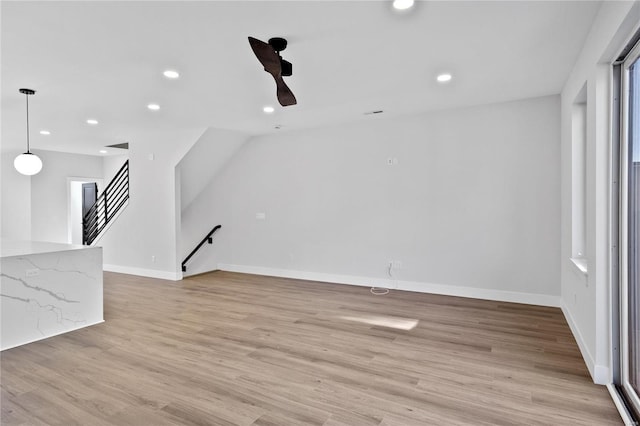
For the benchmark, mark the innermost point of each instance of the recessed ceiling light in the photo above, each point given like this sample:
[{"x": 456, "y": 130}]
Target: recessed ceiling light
[
  {"x": 153, "y": 107},
  {"x": 402, "y": 4},
  {"x": 92, "y": 121},
  {"x": 172, "y": 74},
  {"x": 45, "y": 132},
  {"x": 103, "y": 151},
  {"x": 443, "y": 78},
  {"x": 268, "y": 109}
]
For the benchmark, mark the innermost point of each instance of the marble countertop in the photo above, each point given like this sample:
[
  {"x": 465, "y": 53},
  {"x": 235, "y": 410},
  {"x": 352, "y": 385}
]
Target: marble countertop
[{"x": 10, "y": 248}]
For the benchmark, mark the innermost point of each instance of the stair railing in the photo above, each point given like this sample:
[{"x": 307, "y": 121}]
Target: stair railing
[
  {"x": 208, "y": 238},
  {"x": 108, "y": 204}
]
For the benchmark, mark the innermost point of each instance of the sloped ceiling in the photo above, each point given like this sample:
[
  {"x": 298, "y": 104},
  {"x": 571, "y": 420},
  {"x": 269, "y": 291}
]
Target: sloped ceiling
[{"x": 104, "y": 60}]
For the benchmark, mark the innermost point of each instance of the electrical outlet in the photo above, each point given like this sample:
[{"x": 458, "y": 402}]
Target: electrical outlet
[
  {"x": 261, "y": 216},
  {"x": 153, "y": 259},
  {"x": 32, "y": 272}
]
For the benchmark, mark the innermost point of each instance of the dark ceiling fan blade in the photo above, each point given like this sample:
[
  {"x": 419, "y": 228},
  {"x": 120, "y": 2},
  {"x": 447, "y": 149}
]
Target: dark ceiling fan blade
[
  {"x": 267, "y": 56},
  {"x": 285, "y": 95},
  {"x": 275, "y": 65}
]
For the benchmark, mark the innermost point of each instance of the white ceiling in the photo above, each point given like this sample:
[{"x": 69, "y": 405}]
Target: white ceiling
[{"x": 104, "y": 60}]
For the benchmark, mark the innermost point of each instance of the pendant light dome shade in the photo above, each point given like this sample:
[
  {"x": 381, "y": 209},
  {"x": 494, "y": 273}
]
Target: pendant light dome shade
[{"x": 27, "y": 164}]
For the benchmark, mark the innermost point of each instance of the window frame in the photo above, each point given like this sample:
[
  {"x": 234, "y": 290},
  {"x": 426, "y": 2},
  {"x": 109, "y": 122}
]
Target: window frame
[{"x": 623, "y": 223}]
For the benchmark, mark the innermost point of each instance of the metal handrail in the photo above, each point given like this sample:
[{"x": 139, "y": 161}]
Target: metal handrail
[
  {"x": 208, "y": 238},
  {"x": 118, "y": 181},
  {"x": 107, "y": 205}
]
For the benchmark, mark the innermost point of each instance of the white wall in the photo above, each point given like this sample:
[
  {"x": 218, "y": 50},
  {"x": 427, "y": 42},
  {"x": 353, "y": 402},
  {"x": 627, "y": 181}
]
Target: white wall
[
  {"x": 15, "y": 199},
  {"x": 111, "y": 164},
  {"x": 585, "y": 298},
  {"x": 75, "y": 206},
  {"x": 473, "y": 202},
  {"x": 144, "y": 238},
  {"x": 50, "y": 192},
  {"x": 207, "y": 156}
]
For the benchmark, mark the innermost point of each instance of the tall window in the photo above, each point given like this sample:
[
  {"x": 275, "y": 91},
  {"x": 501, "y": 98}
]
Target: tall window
[
  {"x": 579, "y": 180},
  {"x": 630, "y": 229}
]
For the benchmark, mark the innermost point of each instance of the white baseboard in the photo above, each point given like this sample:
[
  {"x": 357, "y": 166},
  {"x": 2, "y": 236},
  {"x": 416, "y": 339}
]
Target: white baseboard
[
  {"x": 448, "y": 290},
  {"x": 599, "y": 373},
  {"x": 151, "y": 273}
]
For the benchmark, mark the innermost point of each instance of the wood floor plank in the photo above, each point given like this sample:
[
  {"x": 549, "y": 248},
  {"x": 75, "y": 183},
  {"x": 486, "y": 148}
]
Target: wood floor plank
[{"x": 236, "y": 349}]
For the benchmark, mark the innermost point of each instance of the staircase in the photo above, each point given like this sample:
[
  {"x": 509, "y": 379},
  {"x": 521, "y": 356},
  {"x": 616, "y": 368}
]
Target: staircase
[{"x": 107, "y": 206}]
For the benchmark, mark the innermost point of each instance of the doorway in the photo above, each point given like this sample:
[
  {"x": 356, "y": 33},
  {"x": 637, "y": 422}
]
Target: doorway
[
  {"x": 629, "y": 231},
  {"x": 89, "y": 198},
  {"x": 79, "y": 188}
]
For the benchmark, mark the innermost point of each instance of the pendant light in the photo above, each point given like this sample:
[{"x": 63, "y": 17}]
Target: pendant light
[{"x": 28, "y": 164}]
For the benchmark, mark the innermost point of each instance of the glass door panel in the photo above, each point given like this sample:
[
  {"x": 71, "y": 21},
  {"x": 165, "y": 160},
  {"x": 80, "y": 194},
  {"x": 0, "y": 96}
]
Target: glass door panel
[
  {"x": 630, "y": 234},
  {"x": 634, "y": 225}
]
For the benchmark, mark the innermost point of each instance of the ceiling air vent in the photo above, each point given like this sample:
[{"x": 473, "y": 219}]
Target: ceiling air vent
[{"x": 119, "y": 145}]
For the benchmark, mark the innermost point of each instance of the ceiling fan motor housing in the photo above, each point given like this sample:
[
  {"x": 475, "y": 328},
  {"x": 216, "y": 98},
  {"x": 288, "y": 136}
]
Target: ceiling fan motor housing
[
  {"x": 287, "y": 68},
  {"x": 278, "y": 43}
]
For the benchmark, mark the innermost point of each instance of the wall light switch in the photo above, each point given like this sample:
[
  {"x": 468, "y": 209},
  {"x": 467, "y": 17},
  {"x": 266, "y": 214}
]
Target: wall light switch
[
  {"x": 261, "y": 216},
  {"x": 152, "y": 157}
]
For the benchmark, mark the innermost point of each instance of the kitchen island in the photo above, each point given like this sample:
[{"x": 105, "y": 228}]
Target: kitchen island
[{"x": 47, "y": 289}]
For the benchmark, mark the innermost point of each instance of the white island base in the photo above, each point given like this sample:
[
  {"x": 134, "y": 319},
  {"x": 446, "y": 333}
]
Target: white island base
[{"x": 47, "y": 289}]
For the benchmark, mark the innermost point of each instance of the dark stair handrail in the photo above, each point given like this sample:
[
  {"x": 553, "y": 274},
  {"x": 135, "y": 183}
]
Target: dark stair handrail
[
  {"x": 108, "y": 204},
  {"x": 208, "y": 238}
]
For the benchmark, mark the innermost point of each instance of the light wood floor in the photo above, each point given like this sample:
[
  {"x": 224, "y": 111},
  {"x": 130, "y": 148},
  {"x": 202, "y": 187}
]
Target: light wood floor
[{"x": 233, "y": 349}]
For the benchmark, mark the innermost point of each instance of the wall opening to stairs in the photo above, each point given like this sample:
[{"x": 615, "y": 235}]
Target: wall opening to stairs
[{"x": 74, "y": 210}]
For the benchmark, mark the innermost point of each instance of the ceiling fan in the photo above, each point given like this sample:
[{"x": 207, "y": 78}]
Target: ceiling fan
[{"x": 269, "y": 56}]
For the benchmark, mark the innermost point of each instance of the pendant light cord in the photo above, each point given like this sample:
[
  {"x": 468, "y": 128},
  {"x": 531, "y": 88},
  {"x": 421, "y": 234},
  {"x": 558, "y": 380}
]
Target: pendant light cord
[{"x": 27, "y": 95}]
